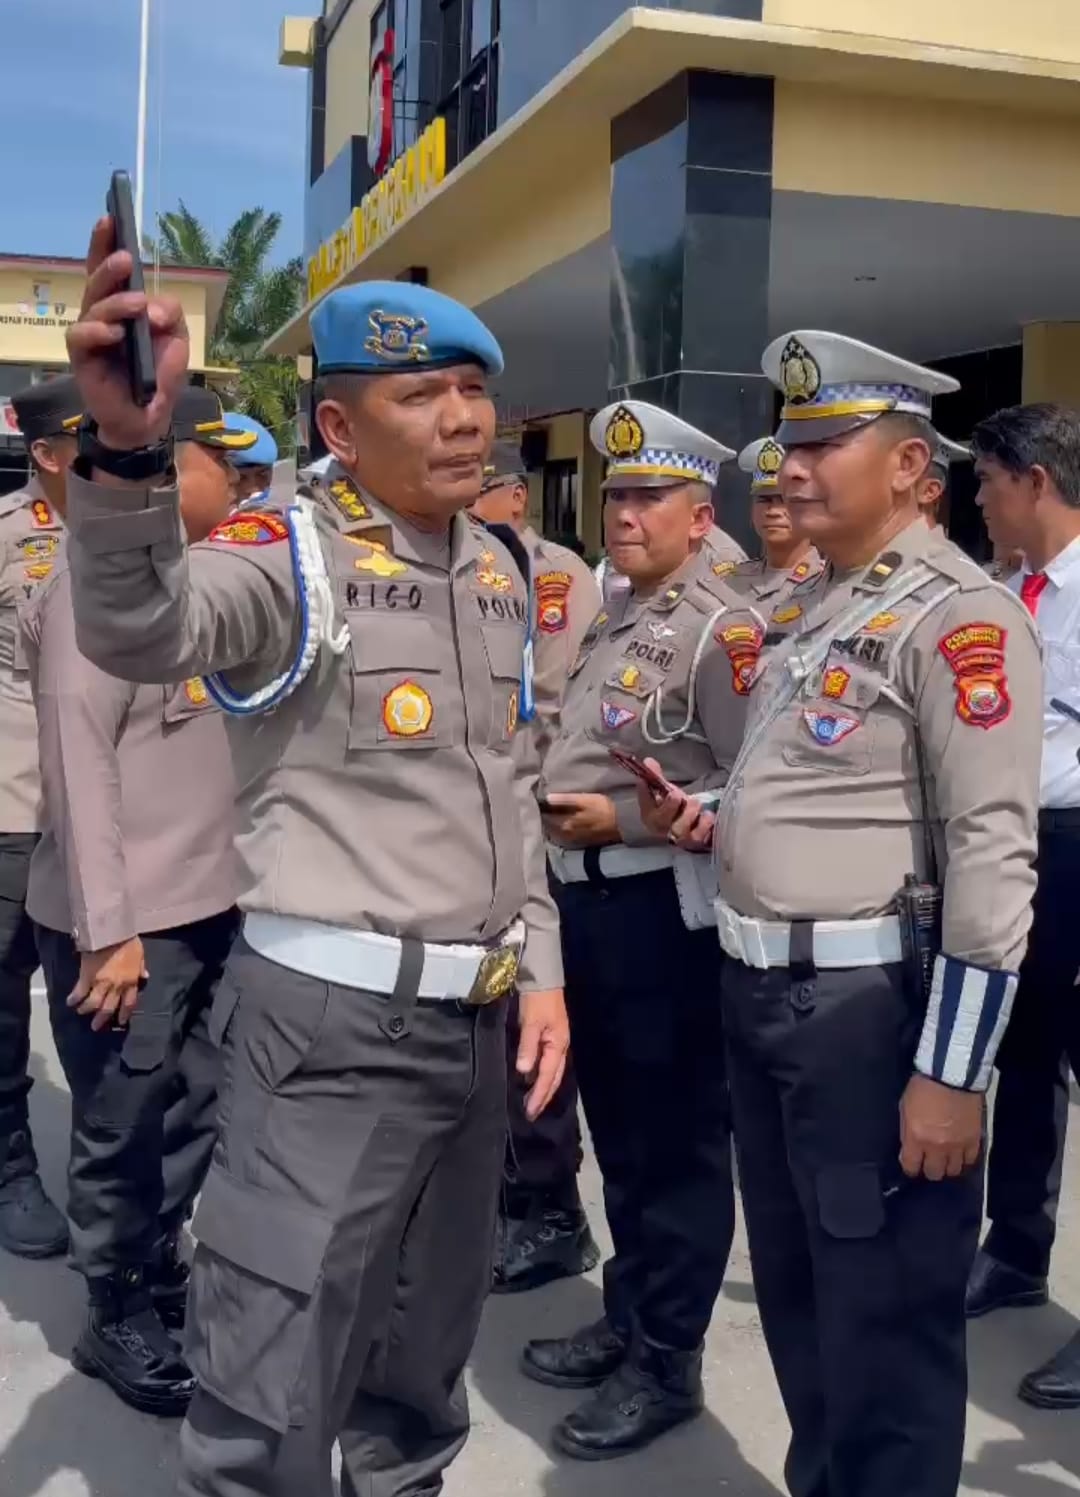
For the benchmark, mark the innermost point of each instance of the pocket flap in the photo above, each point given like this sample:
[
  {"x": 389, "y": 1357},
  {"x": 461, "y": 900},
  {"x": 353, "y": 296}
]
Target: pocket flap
[
  {"x": 405, "y": 642},
  {"x": 262, "y": 1233},
  {"x": 505, "y": 644},
  {"x": 224, "y": 1006},
  {"x": 850, "y": 1201}
]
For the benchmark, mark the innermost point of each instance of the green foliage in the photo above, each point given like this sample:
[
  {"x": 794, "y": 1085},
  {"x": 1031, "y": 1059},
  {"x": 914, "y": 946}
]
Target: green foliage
[{"x": 258, "y": 300}]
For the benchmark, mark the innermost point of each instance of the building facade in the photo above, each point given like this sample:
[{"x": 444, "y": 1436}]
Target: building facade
[{"x": 638, "y": 199}]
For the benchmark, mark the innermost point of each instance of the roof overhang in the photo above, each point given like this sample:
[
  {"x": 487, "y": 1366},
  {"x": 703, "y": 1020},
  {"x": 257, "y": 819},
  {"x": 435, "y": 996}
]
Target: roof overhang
[{"x": 535, "y": 151}]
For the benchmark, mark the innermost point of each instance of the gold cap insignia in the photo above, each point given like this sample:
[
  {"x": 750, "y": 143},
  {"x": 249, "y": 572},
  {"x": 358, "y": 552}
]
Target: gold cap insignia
[
  {"x": 770, "y": 457},
  {"x": 800, "y": 375},
  {"x": 397, "y": 338},
  {"x": 624, "y": 436}
]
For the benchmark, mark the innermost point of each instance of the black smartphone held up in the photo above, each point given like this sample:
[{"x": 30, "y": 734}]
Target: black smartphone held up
[
  {"x": 658, "y": 787},
  {"x": 138, "y": 345}
]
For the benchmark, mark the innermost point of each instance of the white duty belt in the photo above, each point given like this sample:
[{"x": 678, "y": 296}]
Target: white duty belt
[
  {"x": 837, "y": 943},
  {"x": 362, "y": 959},
  {"x": 569, "y": 866}
]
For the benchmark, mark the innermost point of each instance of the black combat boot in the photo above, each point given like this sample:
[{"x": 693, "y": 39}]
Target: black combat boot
[
  {"x": 654, "y": 1390},
  {"x": 30, "y": 1225},
  {"x": 126, "y": 1345},
  {"x": 168, "y": 1277},
  {"x": 541, "y": 1237},
  {"x": 578, "y": 1361}
]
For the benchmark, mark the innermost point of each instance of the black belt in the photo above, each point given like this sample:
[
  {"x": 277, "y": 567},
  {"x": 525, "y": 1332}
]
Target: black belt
[{"x": 1059, "y": 819}]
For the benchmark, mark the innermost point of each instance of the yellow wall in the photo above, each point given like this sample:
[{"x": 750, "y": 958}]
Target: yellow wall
[
  {"x": 1052, "y": 362},
  {"x": 973, "y": 156},
  {"x": 26, "y": 338},
  {"x": 348, "y": 62},
  {"x": 568, "y": 440},
  {"x": 1031, "y": 28}
]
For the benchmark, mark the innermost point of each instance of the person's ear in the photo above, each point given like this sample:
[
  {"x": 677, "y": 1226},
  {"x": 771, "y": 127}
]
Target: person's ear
[
  {"x": 334, "y": 421},
  {"x": 912, "y": 459},
  {"x": 1039, "y": 479},
  {"x": 702, "y": 520},
  {"x": 43, "y": 455}
]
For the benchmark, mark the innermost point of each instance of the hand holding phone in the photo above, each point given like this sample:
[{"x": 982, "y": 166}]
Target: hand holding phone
[
  {"x": 138, "y": 348},
  {"x": 659, "y": 788}
]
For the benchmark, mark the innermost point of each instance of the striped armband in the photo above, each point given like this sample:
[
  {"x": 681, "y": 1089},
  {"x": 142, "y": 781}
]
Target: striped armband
[{"x": 966, "y": 1017}]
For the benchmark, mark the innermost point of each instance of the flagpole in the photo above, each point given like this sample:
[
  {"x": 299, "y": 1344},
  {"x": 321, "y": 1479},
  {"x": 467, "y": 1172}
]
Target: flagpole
[{"x": 140, "y": 147}]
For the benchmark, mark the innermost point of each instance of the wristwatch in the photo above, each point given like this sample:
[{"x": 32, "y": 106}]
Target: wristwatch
[{"x": 137, "y": 465}]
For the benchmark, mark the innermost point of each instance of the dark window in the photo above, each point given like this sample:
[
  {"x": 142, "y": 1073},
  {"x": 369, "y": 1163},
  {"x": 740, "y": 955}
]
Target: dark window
[
  {"x": 468, "y": 72},
  {"x": 480, "y": 27},
  {"x": 450, "y": 48},
  {"x": 474, "y": 103},
  {"x": 560, "y": 498}
]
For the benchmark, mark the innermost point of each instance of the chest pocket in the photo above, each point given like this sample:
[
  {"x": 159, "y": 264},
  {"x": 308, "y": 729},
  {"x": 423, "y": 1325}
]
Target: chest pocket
[
  {"x": 184, "y": 701},
  {"x": 832, "y": 726},
  {"x": 398, "y": 685},
  {"x": 504, "y": 644}
]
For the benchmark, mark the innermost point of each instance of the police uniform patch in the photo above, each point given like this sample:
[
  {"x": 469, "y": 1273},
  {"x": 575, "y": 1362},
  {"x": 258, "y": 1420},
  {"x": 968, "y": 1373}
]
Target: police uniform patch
[
  {"x": 196, "y": 692},
  {"x": 624, "y": 436},
  {"x": 671, "y": 597},
  {"x": 376, "y": 559},
  {"x": 787, "y": 615},
  {"x": 552, "y": 598},
  {"x": 407, "y": 710},
  {"x": 835, "y": 682},
  {"x": 487, "y": 576},
  {"x": 828, "y": 728},
  {"x": 345, "y": 495},
  {"x": 614, "y": 717},
  {"x": 976, "y": 657},
  {"x": 38, "y": 571},
  {"x": 659, "y": 630},
  {"x": 880, "y": 622},
  {"x": 397, "y": 338},
  {"x": 37, "y": 547},
  {"x": 42, "y": 515},
  {"x": 742, "y": 642},
  {"x": 800, "y": 374},
  {"x": 723, "y": 568},
  {"x": 799, "y": 571},
  {"x": 252, "y": 529},
  {"x": 629, "y": 677}
]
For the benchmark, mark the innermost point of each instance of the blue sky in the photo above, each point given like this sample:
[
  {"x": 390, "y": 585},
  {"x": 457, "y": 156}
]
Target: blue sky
[{"x": 233, "y": 121}]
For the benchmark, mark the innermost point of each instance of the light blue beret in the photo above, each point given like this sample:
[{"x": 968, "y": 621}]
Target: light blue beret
[
  {"x": 379, "y": 326},
  {"x": 263, "y": 453}
]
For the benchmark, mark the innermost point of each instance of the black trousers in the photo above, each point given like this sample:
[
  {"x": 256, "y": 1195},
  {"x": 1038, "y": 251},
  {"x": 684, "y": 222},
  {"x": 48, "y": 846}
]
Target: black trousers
[
  {"x": 859, "y": 1272},
  {"x": 344, "y": 1237},
  {"x": 1042, "y": 1042},
  {"x": 18, "y": 962},
  {"x": 644, "y": 1000},
  {"x": 542, "y": 1157},
  {"x": 143, "y": 1099}
]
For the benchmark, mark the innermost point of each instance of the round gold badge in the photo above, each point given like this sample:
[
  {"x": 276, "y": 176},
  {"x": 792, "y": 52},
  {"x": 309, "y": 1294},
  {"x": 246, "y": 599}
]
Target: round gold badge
[{"x": 407, "y": 710}]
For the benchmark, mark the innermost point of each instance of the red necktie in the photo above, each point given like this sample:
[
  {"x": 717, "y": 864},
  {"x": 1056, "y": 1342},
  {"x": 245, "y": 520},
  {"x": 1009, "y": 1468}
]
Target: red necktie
[{"x": 1031, "y": 590}]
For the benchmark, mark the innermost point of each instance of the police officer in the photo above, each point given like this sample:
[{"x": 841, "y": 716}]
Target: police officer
[
  {"x": 786, "y": 556},
  {"x": 934, "y": 488},
  {"x": 640, "y": 964},
  {"x": 901, "y": 704},
  {"x": 543, "y": 1231},
  {"x": 1027, "y": 459},
  {"x": 254, "y": 464},
  {"x": 132, "y": 891},
  {"x": 31, "y": 527},
  {"x": 345, "y": 1227}
]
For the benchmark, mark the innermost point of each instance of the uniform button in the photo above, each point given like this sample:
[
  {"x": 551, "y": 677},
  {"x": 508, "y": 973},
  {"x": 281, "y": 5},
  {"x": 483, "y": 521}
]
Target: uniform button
[{"x": 396, "y": 1025}]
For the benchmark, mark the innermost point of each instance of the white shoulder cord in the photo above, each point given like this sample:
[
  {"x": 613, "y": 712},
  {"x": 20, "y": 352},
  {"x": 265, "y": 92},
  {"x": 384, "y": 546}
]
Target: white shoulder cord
[
  {"x": 316, "y": 601},
  {"x": 653, "y": 705}
]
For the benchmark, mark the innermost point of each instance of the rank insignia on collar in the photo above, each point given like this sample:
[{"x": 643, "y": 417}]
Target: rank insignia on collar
[
  {"x": 828, "y": 728},
  {"x": 42, "y": 515},
  {"x": 196, "y": 692},
  {"x": 787, "y": 615},
  {"x": 614, "y": 717},
  {"x": 624, "y": 436},
  {"x": 723, "y": 568},
  {"x": 552, "y": 597},
  {"x": 882, "y": 570},
  {"x": 397, "y": 338},
  {"x": 343, "y": 493},
  {"x": 670, "y": 597},
  {"x": 798, "y": 572},
  {"x": 834, "y": 683},
  {"x": 378, "y": 559},
  {"x": 407, "y": 710},
  {"x": 800, "y": 374},
  {"x": 251, "y": 529}
]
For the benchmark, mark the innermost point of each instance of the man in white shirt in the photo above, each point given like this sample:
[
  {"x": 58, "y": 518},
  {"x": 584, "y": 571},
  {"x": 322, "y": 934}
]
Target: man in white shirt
[{"x": 1027, "y": 460}]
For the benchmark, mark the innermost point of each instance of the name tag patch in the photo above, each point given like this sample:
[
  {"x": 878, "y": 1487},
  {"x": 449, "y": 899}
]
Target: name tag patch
[{"x": 409, "y": 596}]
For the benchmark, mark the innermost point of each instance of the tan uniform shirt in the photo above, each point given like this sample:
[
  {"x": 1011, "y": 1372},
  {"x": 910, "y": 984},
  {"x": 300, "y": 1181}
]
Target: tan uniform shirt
[
  {"x": 724, "y": 546},
  {"x": 381, "y": 794},
  {"x": 138, "y": 793},
  {"x": 958, "y": 659},
  {"x": 566, "y": 599},
  {"x": 30, "y": 534},
  {"x": 762, "y": 586},
  {"x": 631, "y": 687}
]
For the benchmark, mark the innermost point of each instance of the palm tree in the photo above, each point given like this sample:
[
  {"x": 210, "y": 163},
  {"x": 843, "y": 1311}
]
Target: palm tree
[{"x": 258, "y": 300}]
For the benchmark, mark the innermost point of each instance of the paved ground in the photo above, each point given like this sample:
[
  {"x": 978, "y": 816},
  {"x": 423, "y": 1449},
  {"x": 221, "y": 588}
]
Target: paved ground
[{"x": 62, "y": 1436}]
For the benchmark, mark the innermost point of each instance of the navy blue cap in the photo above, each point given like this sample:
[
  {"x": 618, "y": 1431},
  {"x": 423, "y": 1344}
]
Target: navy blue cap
[{"x": 379, "y": 327}]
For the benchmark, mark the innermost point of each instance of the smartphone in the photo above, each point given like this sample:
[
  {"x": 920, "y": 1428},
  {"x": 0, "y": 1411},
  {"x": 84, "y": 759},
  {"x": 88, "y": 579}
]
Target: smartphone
[
  {"x": 656, "y": 783},
  {"x": 546, "y": 808},
  {"x": 138, "y": 345}
]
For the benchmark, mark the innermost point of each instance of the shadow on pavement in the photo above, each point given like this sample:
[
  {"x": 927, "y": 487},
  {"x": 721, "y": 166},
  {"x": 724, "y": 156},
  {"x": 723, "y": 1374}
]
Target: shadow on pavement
[
  {"x": 74, "y": 1424},
  {"x": 1002, "y": 1347},
  {"x": 700, "y": 1459}
]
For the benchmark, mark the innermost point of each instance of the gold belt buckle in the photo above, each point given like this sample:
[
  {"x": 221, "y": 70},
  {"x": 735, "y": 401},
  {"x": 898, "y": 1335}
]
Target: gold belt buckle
[{"x": 495, "y": 977}]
